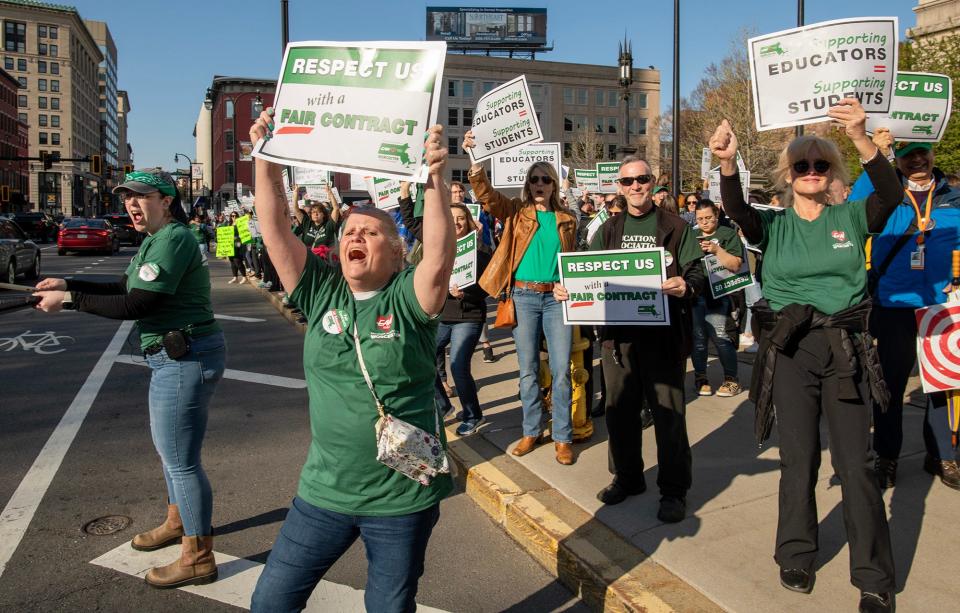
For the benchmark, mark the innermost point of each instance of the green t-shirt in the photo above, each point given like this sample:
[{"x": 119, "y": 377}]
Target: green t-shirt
[
  {"x": 727, "y": 238},
  {"x": 819, "y": 262},
  {"x": 539, "y": 261},
  {"x": 170, "y": 262},
  {"x": 198, "y": 232},
  {"x": 315, "y": 235},
  {"x": 398, "y": 340},
  {"x": 641, "y": 231}
]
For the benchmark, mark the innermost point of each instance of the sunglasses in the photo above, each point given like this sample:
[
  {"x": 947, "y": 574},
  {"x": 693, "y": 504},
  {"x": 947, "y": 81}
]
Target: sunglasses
[
  {"x": 536, "y": 179},
  {"x": 641, "y": 179},
  {"x": 802, "y": 167}
]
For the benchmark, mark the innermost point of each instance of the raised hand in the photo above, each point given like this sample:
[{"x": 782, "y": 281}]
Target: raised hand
[
  {"x": 436, "y": 153},
  {"x": 850, "y": 114},
  {"x": 723, "y": 143}
]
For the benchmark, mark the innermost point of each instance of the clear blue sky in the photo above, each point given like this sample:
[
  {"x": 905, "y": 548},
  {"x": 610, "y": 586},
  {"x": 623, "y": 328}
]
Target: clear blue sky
[{"x": 169, "y": 51}]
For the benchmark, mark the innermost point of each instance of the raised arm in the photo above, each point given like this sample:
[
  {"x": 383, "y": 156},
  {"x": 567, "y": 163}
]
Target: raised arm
[
  {"x": 287, "y": 253},
  {"x": 492, "y": 201},
  {"x": 407, "y": 206},
  {"x": 298, "y": 213},
  {"x": 431, "y": 280},
  {"x": 723, "y": 144},
  {"x": 335, "y": 212}
]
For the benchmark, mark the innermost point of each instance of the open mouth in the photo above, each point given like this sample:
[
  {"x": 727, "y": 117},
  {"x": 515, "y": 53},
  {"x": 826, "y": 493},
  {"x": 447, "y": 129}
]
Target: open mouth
[
  {"x": 356, "y": 255},
  {"x": 136, "y": 217},
  {"x": 539, "y": 192}
]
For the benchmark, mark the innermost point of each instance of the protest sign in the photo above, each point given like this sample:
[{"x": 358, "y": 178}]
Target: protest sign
[
  {"x": 504, "y": 119},
  {"x": 920, "y": 109},
  {"x": 587, "y": 179},
  {"x": 607, "y": 174},
  {"x": 385, "y": 192},
  {"x": 938, "y": 349},
  {"x": 286, "y": 178},
  {"x": 619, "y": 287},
  {"x": 196, "y": 171},
  {"x": 714, "y": 185},
  {"x": 595, "y": 224},
  {"x": 465, "y": 265},
  {"x": 576, "y": 193},
  {"x": 310, "y": 176},
  {"x": 474, "y": 210},
  {"x": 243, "y": 229},
  {"x": 798, "y": 74},
  {"x": 564, "y": 171},
  {"x": 225, "y": 242},
  {"x": 705, "y": 158},
  {"x": 336, "y": 195},
  {"x": 316, "y": 192},
  {"x": 509, "y": 168},
  {"x": 360, "y": 107},
  {"x": 724, "y": 282}
]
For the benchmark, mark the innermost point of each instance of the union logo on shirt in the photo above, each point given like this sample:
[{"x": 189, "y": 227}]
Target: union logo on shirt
[
  {"x": 385, "y": 322},
  {"x": 841, "y": 240}
]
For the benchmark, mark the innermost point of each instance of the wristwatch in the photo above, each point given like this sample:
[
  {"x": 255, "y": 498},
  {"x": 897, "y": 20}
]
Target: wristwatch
[{"x": 68, "y": 303}]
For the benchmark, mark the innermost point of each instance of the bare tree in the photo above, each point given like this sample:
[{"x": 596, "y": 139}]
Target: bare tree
[{"x": 587, "y": 149}]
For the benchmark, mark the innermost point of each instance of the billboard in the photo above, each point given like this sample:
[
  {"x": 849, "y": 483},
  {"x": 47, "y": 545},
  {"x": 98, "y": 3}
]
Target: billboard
[{"x": 487, "y": 27}]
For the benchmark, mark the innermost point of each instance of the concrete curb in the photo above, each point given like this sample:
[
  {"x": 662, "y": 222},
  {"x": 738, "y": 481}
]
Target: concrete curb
[{"x": 598, "y": 565}]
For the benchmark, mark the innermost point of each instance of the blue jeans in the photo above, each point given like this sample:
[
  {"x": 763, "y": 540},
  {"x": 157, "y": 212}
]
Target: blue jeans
[
  {"x": 710, "y": 322},
  {"x": 538, "y": 314},
  {"x": 462, "y": 338},
  {"x": 312, "y": 539},
  {"x": 180, "y": 392}
]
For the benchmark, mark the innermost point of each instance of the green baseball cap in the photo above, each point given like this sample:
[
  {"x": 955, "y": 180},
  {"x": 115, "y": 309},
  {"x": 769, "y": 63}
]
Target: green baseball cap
[
  {"x": 902, "y": 148},
  {"x": 145, "y": 182},
  {"x": 659, "y": 188}
]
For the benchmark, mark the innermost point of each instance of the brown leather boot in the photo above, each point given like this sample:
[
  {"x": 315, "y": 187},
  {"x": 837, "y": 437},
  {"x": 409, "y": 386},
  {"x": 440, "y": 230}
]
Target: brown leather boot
[
  {"x": 196, "y": 565},
  {"x": 526, "y": 445},
  {"x": 167, "y": 533},
  {"x": 564, "y": 453}
]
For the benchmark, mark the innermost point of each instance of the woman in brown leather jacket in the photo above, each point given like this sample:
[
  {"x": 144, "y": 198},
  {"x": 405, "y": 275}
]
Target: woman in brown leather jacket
[{"x": 536, "y": 227}]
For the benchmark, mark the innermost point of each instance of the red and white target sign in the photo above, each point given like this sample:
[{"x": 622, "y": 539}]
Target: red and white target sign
[{"x": 938, "y": 346}]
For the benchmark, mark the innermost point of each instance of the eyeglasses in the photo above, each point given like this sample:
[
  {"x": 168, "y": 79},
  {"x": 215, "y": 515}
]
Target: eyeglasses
[
  {"x": 802, "y": 167},
  {"x": 693, "y": 201},
  {"x": 537, "y": 179},
  {"x": 641, "y": 179}
]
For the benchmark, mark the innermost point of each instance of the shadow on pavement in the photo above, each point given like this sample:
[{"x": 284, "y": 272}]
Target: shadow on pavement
[{"x": 264, "y": 519}]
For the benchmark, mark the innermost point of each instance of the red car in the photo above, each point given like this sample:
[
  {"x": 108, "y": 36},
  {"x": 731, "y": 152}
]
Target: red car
[{"x": 83, "y": 234}]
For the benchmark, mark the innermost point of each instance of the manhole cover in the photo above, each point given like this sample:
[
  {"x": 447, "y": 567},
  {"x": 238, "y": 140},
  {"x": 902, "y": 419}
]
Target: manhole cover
[{"x": 103, "y": 526}]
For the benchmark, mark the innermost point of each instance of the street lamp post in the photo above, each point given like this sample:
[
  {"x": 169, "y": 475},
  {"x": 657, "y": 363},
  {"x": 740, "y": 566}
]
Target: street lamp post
[
  {"x": 626, "y": 80},
  {"x": 176, "y": 159}
]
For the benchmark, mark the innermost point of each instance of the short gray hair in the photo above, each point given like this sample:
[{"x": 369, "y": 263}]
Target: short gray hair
[{"x": 630, "y": 159}]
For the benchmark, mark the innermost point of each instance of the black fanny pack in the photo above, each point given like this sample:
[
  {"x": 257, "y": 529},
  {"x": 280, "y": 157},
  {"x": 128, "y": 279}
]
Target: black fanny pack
[{"x": 176, "y": 342}]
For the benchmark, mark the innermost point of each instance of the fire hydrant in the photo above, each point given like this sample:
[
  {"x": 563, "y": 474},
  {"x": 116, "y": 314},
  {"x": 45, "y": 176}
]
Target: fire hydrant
[{"x": 580, "y": 416}]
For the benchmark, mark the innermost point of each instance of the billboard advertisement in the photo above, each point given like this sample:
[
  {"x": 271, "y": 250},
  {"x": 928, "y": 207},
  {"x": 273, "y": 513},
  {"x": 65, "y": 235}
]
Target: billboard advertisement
[{"x": 483, "y": 27}]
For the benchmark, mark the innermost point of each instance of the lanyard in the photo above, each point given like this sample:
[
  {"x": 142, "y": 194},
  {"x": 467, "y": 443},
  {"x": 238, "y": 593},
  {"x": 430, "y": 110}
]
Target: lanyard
[{"x": 922, "y": 221}]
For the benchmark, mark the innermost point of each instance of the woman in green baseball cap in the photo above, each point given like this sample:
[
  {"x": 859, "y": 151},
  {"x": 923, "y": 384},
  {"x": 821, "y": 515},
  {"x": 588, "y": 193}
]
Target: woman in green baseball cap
[{"x": 166, "y": 289}]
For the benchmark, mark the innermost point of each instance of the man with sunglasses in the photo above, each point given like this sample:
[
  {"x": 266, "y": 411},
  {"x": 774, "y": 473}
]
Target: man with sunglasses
[{"x": 647, "y": 364}]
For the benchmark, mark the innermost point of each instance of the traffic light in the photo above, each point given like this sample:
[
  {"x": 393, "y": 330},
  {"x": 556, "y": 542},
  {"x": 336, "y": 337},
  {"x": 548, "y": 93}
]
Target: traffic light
[
  {"x": 46, "y": 159},
  {"x": 96, "y": 165},
  {"x": 127, "y": 169},
  {"x": 4, "y": 193}
]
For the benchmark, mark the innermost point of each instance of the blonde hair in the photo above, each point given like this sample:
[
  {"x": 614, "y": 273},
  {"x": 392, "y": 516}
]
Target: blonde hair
[
  {"x": 547, "y": 168},
  {"x": 799, "y": 149}
]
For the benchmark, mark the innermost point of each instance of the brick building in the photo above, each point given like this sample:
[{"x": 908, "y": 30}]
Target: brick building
[{"x": 14, "y": 175}]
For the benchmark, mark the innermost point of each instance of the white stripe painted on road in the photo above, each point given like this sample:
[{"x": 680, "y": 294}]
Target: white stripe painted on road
[
  {"x": 236, "y": 375},
  {"x": 21, "y": 507},
  {"x": 238, "y": 318},
  {"x": 237, "y": 577}
]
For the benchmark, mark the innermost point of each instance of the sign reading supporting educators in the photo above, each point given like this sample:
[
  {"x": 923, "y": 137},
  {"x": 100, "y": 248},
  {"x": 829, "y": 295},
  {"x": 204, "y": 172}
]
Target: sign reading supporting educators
[
  {"x": 465, "y": 265},
  {"x": 920, "y": 109},
  {"x": 615, "y": 287},
  {"x": 361, "y": 107},
  {"x": 607, "y": 174},
  {"x": 225, "y": 242},
  {"x": 509, "y": 168},
  {"x": 724, "y": 282},
  {"x": 504, "y": 119},
  {"x": 587, "y": 180},
  {"x": 798, "y": 74}
]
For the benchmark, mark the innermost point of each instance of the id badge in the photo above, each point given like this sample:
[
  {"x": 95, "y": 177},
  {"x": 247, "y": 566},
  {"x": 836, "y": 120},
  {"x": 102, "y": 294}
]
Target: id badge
[{"x": 916, "y": 258}]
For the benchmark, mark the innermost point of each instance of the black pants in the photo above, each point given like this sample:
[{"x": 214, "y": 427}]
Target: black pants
[
  {"x": 804, "y": 386},
  {"x": 641, "y": 371},
  {"x": 896, "y": 332},
  {"x": 237, "y": 266}
]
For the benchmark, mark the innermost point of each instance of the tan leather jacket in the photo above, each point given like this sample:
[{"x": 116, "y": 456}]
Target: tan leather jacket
[{"x": 519, "y": 225}]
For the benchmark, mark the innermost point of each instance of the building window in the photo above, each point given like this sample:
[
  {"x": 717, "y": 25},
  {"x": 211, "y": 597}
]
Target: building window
[
  {"x": 468, "y": 89},
  {"x": 452, "y": 88},
  {"x": 43, "y": 138},
  {"x": 459, "y": 174},
  {"x": 643, "y": 126},
  {"x": 487, "y": 86},
  {"x": 54, "y": 67},
  {"x": 598, "y": 97},
  {"x": 612, "y": 152},
  {"x": 54, "y": 121},
  {"x": 230, "y": 175},
  {"x": 598, "y": 125},
  {"x": 452, "y": 144},
  {"x": 41, "y": 31},
  {"x": 581, "y": 96},
  {"x": 22, "y": 81},
  {"x": 567, "y": 124},
  {"x": 22, "y": 117},
  {"x": 613, "y": 98},
  {"x": 54, "y": 51},
  {"x": 22, "y": 65},
  {"x": 55, "y": 104},
  {"x": 42, "y": 120},
  {"x": 579, "y": 122},
  {"x": 8, "y": 63},
  {"x": 53, "y": 31},
  {"x": 54, "y": 85},
  {"x": 468, "y": 117},
  {"x": 567, "y": 150},
  {"x": 638, "y": 100},
  {"x": 55, "y": 138},
  {"x": 453, "y": 117},
  {"x": 42, "y": 85},
  {"x": 228, "y": 140},
  {"x": 15, "y": 36},
  {"x": 42, "y": 48},
  {"x": 41, "y": 66},
  {"x": 42, "y": 102},
  {"x": 228, "y": 109},
  {"x": 22, "y": 101},
  {"x": 568, "y": 95},
  {"x": 611, "y": 125}
]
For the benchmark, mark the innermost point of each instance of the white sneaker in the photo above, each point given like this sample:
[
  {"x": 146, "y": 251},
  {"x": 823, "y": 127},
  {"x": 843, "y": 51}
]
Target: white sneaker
[
  {"x": 746, "y": 340},
  {"x": 233, "y": 280},
  {"x": 243, "y": 280}
]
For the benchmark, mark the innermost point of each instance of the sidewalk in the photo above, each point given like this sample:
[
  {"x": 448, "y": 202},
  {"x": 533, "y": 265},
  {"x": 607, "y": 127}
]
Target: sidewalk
[{"x": 621, "y": 558}]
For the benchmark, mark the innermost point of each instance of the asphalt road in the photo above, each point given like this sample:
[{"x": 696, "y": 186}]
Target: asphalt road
[{"x": 53, "y": 483}]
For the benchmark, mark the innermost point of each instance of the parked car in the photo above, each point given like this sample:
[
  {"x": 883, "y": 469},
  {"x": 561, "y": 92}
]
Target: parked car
[
  {"x": 37, "y": 225},
  {"x": 18, "y": 254},
  {"x": 124, "y": 228},
  {"x": 85, "y": 234}
]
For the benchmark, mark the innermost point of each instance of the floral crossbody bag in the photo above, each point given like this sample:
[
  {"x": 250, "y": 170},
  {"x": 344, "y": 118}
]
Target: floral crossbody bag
[{"x": 402, "y": 446}]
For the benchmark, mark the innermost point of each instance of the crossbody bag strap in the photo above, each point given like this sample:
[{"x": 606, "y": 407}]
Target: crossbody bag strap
[
  {"x": 904, "y": 238},
  {"x": 366, "y": 377}
]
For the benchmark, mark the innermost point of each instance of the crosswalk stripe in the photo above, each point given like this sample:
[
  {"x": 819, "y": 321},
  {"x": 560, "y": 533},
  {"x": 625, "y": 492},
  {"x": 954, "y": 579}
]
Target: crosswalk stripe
[
  {"x": 237, "y": 580},
  {"x": 239, "y": 318},
  {"x": 236, "y": 375}
]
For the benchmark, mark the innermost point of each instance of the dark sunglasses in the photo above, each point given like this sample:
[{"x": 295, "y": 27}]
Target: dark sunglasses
[
  {"x": 693, "y": 202},
  {"x": 546, "y": 180},
  {"x": 802, "y": 167},
  {"x": 641, "y": 179}
]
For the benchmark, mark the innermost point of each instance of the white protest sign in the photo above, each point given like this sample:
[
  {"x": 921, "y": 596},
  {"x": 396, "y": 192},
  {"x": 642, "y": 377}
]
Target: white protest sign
[
  {"x": 741, "y": 166},
  {"x": 920, "y": 109},
  {"x": 595, "y": 224},
  {"x": 316, "y": 192},
  {"x": 385, "y": 192},
  {"x": 705, "y": 158},
  {"x": 474, "y": 210},
  {"x": 358, "y": 183},
  {"x": 714, "y": 180},
  {"x": 336, "y": 195},
  {"x": 607, "y": 174},
  {"x": 310, "y": 176},
  {"x": 576, "y": 193},
  {"x": 357, "y": 107},
  {"x": 724, "y": 282},
  {"x": 286, "y": 178},
  {"x": 565, "y": 172},
  {"x": 587, "y": 179},
  {"x": 465, "y": 265},
  {"x": 615, "y": 287},
  {"x": 798, "y": 74},
  {"x": 504, "y": 119},
  {"x": 509, "y": 168}
]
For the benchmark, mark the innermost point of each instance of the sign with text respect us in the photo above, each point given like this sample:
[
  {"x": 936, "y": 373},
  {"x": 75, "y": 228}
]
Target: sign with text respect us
[{"x": 920, "y": 110}]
